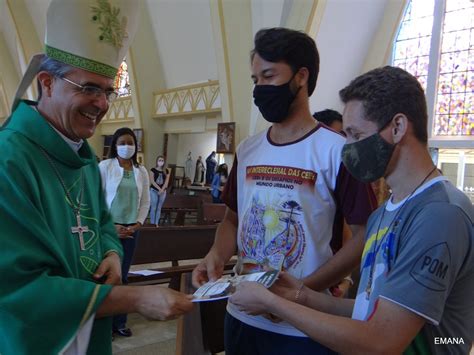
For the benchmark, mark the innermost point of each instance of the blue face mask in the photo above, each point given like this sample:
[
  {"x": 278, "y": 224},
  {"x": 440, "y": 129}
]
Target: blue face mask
[{"x": 274, "y": 101}]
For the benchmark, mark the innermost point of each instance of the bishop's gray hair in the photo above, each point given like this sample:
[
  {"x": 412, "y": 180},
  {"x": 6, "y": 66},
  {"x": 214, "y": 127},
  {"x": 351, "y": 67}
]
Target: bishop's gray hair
[{"x": 55, "y": 68}]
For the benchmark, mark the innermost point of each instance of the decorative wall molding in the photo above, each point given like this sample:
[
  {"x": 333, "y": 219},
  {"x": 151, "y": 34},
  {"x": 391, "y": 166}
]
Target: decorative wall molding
[
  {"x": 191, "y": 99},
  {"x": 121, "y": 110}
]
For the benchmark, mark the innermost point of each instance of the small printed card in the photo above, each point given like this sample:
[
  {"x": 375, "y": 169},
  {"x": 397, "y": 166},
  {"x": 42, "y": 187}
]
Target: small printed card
[
  {"x": 145, "y": 272},
  {"x": 225, "y": 286}
]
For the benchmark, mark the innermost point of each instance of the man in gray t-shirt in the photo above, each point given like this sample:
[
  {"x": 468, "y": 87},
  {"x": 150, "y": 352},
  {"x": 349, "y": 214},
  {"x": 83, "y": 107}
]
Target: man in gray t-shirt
[
  {"x": 422, "y": 265},
  {"x": 417, "y": 269}
]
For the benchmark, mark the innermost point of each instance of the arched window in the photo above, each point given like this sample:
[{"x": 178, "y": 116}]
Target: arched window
[
  {"x": 122, "y": 81},
  {"x": 435, "y": 42},
  {"x": 412, "y": 46}
]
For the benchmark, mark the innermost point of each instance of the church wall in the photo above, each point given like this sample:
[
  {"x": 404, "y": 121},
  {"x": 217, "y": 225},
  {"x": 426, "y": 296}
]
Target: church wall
[
  {"x": 184, "y": 38},
  {"x": 172, "y": 154},
  {"x": 148, "y": 75},
  {"x": 380, "y": 52},
  {"x": 9, "y": 78},
  {"x": 198, "y": 144},
  {"x": 346, "y": 33},
  {"x": 97, "y": 143}
]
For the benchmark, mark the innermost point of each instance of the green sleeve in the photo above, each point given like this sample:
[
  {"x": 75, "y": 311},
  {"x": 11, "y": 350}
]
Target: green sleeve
[{"x": 42, "y": 303}]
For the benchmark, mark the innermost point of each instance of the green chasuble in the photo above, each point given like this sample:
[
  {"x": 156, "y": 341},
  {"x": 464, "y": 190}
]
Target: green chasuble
[{"x": 47, "y": 291}]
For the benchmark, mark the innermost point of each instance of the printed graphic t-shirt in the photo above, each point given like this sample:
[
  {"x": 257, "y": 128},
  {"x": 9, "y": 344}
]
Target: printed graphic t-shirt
[
  {"x": 287, "y": 197},
  {"x": 421, "y": 255}
]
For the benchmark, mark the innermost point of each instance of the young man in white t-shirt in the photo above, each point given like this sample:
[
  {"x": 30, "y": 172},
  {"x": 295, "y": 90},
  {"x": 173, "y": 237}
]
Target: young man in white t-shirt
[{"x": 286, "y": 195}]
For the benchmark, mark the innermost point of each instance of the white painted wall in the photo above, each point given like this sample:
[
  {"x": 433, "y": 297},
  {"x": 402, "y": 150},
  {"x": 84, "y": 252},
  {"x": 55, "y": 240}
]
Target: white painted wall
[
  {"x": 198, "y": 144},
  {"x": 8, "y": 32},
  {"x": 184, "y": 36},
  {"x": 347, "y": 30},
  {"x": 266, "y": 13},
  {"x": 38, "y": 10},
  {"x": 172, "y": 154}
]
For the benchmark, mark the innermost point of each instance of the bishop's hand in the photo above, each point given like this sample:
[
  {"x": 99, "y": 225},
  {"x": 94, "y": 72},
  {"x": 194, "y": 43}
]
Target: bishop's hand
[{"x": 109, "y": 270}]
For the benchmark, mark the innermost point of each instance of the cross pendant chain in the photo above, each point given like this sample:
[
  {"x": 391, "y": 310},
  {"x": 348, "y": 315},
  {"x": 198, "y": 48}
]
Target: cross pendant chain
[{"x": 79, "y": 229}]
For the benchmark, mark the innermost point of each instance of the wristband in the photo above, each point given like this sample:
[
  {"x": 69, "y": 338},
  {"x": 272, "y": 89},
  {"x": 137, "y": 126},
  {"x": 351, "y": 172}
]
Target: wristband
[{"x": 298, "y": 292}]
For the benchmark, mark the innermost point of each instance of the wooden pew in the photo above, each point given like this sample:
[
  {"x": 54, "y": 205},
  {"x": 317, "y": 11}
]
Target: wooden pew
[
  {"x": 182, "y": 206},
  {"x": 212, "y": 213},
  {"x": 171, "y": 244}
]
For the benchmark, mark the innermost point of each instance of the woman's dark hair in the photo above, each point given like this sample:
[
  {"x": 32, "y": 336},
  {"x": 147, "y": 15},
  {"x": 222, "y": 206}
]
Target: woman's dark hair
[
  {"x": 295, "y": 48},
  {"x": 222, "y": 170},
  {"x": 158, "y": 157},
  {"x": 113, "y": 146},
  {"x": 328, "y": 116},
  {"x": 386, "y": 91}
]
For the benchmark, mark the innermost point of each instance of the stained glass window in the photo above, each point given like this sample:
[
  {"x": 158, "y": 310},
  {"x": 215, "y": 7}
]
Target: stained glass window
[
  {"x": 455, "y": 95},
  {"x": 454, "y": 108},
  {"x": 412, "y": 46},
  {"x": 122, "y": 81}
]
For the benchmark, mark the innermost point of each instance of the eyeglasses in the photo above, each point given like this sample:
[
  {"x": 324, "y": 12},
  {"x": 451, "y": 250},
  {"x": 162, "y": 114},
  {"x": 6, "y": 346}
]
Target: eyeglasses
[{"x": 94, "y": 91}]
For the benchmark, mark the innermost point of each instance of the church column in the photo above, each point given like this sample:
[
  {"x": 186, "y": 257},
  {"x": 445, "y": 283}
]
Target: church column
[
  {"x": 28, "y": 40},
  {"x": 147, "y": 76},
  {"x": 232, "y": 30},
  {"x": 9, "y": 78}
]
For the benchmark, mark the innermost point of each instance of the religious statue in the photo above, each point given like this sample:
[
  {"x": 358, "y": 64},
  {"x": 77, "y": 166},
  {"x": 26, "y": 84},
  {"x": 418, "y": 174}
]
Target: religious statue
[
  {"x": 211, "y": 164},
  {"x": 199, "y": 172},
  {"x": 188, "y": 167}
]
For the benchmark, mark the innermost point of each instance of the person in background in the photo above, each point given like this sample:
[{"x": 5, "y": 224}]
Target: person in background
[
  {"x": 159, "y": 177},
  {"x": 417, "y": 271},
  {"x": 333, "y": 119},
  {"x": 218, "y": 182},
  {"x": 330, "y": 118},
  {"x": 126, "y": 186},
  {"x": 211, "y": 163}
]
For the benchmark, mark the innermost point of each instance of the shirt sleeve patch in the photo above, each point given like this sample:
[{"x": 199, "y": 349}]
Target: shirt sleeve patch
[{"x": 431, "y": 268}]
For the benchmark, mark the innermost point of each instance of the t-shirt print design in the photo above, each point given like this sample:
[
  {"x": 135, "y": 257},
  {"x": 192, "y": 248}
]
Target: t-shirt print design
[{"x": 272, "y": 234}]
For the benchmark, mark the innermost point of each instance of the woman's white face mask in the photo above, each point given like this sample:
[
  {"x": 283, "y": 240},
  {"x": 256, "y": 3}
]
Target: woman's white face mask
[{"x": 125, "y": 151}]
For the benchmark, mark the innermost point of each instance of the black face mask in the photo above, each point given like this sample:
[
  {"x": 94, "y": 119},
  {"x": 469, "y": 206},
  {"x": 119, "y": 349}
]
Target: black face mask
[
  {"x": 274, "y": 101},
  {"x": 367, "y": 160}
]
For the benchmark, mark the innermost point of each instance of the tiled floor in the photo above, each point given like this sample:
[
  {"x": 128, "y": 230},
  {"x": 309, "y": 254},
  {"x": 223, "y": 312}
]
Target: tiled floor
[{"x": 149, "y": 337}]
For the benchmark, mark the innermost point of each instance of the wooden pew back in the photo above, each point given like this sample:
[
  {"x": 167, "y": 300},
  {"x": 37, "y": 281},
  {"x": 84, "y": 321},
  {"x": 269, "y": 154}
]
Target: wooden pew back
[
  {"x": 173, "y": 243},
  {"x": 181, "y": 206},
  {"x": 213, "y": 213},
  {"x": 175, "y": 201}
]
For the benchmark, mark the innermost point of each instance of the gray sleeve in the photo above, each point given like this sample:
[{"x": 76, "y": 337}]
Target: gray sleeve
[{"x": 432, "y": 249}]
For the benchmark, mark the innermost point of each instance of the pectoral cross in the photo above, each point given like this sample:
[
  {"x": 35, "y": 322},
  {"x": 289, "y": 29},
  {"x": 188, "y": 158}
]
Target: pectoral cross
[{"x": 79, "y": 229}]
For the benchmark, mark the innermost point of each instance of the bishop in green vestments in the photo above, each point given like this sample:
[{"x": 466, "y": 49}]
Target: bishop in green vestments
[
  {"x": 59, "y": 251},
  {"x": 47, "y": 292}
]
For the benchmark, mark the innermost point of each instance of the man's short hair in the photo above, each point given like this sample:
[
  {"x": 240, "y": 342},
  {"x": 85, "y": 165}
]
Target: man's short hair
[
  {"x": 386, "y": 91},
  {"x": 328, "y": 116},
  {"x": 55, "y": 68},
  {"x": 295, "y": 48}
]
